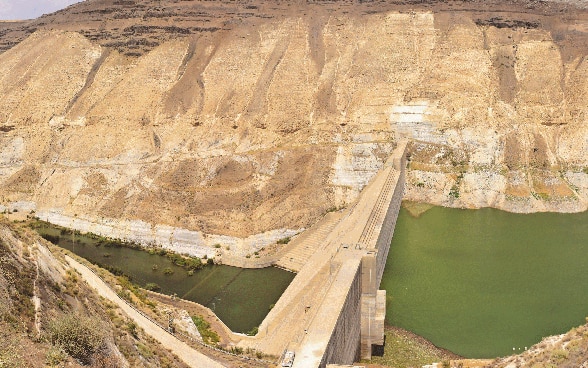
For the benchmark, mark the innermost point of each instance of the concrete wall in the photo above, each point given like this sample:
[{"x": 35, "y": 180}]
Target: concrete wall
[{"x": 343, "y": 346}]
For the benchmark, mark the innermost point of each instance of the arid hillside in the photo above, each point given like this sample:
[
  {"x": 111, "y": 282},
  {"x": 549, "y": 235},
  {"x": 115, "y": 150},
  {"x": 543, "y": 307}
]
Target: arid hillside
[
  {"x": 49, "y": 317},
  {"x": 258, "y": 117}
]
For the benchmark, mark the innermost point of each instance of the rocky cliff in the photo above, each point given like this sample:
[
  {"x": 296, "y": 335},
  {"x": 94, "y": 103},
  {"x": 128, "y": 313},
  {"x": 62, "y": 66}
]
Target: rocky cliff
[{"x": 236, "y": 119}]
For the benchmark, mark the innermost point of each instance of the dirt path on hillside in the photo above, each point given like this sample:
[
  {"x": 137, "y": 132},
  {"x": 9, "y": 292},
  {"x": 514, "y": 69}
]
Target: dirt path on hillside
[{"x": 190, "y": 356}]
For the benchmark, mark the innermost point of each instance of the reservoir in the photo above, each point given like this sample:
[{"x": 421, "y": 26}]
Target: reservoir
[
  {"x": 482, "y": 282},
  {"x": 240, "y": 297}
]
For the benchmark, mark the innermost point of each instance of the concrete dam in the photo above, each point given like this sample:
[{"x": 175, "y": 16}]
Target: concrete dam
[{"x": 333, "y": 312}]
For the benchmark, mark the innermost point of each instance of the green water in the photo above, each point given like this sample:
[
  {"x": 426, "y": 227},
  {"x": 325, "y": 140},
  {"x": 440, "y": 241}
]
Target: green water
[
  {"x": 480, "y": 282},
  {"x": 240, "y": 297}
]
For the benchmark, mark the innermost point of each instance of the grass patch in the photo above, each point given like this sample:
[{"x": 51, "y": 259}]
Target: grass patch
[
  {"x": 404, "y": 349},
  {"x": 208, "y": 335}
]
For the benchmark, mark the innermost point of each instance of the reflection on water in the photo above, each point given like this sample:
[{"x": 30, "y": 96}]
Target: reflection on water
[
  {"x": 240, "y": 297},
  {"x": 482, "y": 282}
]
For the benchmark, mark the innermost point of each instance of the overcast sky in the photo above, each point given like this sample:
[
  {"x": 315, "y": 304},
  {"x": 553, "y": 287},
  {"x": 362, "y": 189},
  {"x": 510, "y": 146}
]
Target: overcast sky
[{"x": 29, "y": 9}]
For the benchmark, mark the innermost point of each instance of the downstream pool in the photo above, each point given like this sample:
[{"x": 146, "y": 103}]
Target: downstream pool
[
  {"x": 482, "y": 282},
  {"x": 240, "y": 297}
]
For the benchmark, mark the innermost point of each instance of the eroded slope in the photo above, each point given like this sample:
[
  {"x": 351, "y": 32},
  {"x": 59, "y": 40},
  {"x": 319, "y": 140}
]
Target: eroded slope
[{"x": 277, "y": 112}]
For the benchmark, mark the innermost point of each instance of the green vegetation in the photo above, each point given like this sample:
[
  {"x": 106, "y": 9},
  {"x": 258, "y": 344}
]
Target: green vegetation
[
  {"x": 335, "y": 209},
  {"x": 78, "y": 336},
  {"x": 454, "y": 191},
  {"x": 151, "y": 286},
  {"x": 236, "y": 350},
  {"x": 10, "y": 355},
  {"x": 190, "y": 263},
  {"x": 208, "y": 335},
  {"x": 131, "y": 328},
  {"x": 129, "y": 287},
  {"x": 285, "y": 240},
  {"x": 253, "y": 331},
  {"x": 54, "y": 356},
  {"x": 540, "y": 196},
  {"x": 404, "y": 349}
]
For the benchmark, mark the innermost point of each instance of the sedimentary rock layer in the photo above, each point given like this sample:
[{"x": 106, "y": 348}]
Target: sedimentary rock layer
[{"x": 276, "y": 113}]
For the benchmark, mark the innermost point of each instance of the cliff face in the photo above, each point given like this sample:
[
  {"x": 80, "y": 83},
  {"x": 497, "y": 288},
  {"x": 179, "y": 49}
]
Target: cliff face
[{"x": 237, "y": 119}]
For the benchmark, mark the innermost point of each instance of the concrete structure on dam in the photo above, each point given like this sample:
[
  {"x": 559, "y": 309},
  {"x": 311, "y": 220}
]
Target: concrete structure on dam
[{"x": 333, "y": 312}]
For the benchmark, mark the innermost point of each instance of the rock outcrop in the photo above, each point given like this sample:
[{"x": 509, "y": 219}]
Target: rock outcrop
[{"x": 238, "y": 119}]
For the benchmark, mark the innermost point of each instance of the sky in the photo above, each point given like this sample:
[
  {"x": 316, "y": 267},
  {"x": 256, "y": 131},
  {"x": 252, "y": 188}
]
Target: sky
[{"x": 29, "y": 9}]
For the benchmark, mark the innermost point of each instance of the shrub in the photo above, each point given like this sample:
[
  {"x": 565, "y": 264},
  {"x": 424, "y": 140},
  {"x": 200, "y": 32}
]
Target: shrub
[
  {"x": 131, "y": 327},
  {"x": 208, "y": 335},
  {"x": 236, "y": 350},
  {"x": 55, "y": 356},
  {"x": 168, "y": 271},
  {"x": 78, "y": 336},
  {"x": 152, "y": 286},
  {"x": 454, "y": 192},
  {"x": 194, "y": 263},
  {"x": 285, "y": 240}
]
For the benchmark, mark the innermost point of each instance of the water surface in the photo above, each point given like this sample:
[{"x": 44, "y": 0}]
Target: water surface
[
  {"x": 240, "y": 297},
  {"x": 482, "y": 282}
]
